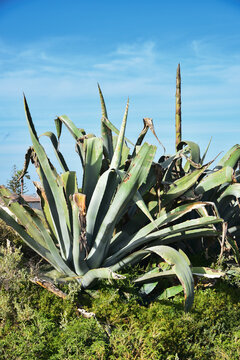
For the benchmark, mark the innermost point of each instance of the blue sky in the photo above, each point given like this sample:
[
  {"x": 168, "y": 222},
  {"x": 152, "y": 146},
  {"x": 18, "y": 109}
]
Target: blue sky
[{"x": 57, "y": 51}]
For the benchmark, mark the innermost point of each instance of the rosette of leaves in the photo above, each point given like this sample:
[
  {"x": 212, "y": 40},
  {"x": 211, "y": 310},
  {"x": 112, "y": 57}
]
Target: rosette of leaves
[{"x": 90, "y": 233}]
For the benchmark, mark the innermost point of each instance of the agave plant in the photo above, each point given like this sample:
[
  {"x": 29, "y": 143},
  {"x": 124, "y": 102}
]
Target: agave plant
[{"x": 90, "y": 233}]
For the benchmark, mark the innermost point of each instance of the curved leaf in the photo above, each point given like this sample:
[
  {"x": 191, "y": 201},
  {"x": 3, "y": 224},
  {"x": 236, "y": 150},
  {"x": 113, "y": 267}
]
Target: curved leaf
[
  {"x": 224, "y": 175},
  {"x": 116, "y": 160},
  {"x": 194, "y": 151},
  {"x": 92, "y": 167},
  {"x": 180, "y": 186},
  {"x": 58, "y": 154},
  {"x": 105, "y": 130},
  {"x": 99, "y": 273},
  {"x": 59, "y": 207},
  {"x": 179, "y": 267},
  {"x": 230, "y": 158}
]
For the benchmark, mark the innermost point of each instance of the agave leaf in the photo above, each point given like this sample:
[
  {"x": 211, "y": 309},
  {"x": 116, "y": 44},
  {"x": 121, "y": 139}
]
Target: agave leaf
[
  {"x": 224, "y": 175},
  {"x": 141, "y": 136},
  {"x": 150, "y": 181},
  {"x": 146, "y": 289},
  {"x": 100, "y": 273},
  {"x": 170, "y": 163},
  {"x": 19, "y": 208},
  {"x": 76, "y": 133},
  {"x": 207, "y": 272},
  {"x": 147, "y": 124},
  {"x": 198, "y": 271},
  {"x": 234, "y": 247},
  {"x": 142, "y": 206},
  {"x": 185, "y": 256},
  {"x": 129, "y": 260},
  {"x": 105, "y": 130},
  {"x": 116, "y": 160},
  {"x": 135, "y": 176},
  {"x": 205, "y": 153},
  {"x": 179, "y": 267},
  {"x": 137, "y": 240},
  {"x": 194, "y": 151},
  {"x": 181, "y": 227},
  {"x": 58, "y": 125},
  {"x": 180, "y": 186},
  {"x": 187, "y": 234},
  {"x": 125, "y": 151},
  {"x": 58, "y": 208},
  {"x": 231, "y": 190},
  {"x": 230, "y": 158},
  {"x": 58, "y": 154},
  {"x": 108, "y": 123},
  {"x": 30, "y": 241},
  {"x": 167, "y": 161},
  {"x": 93, "y": 163},
  {"x": 100, "y": 202},
  {"x": 46, "y": 208},
  {"x": 124, "y": 238},
  {"x": 69, "y": 180},
  {"x": 50, "y": 243},
  {"x": 170, "y": 292},
  {"x": 36, "y": 229},
  {"x": 150, "y": 277},
  {"x": 79, "y": 247}
]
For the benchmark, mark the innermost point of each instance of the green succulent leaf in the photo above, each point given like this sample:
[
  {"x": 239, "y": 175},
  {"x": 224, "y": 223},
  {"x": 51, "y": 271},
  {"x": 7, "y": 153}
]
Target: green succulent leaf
[
  {"x": 194, "y": 151},
  {"x": 96, "y": 274},
  {"x": 180, "y": 186},
  {"x": 179, "y": 267},
  {"x": 170, "y": 292},
  {"x": 231, "y": 190},
  {"x": 159, "y": 236},
  {"x": 123, "y": 238},
  {"x": 58, "y": 208},
  {"x": 58, "y": 154},
  {"x": 116, "y": 160},
  {"x": 92, "y": 167},
  {"x": 207, "y": 272},
  {"x": 217, "y": 178},
  {"x": 108, "y": 123},
  {"x": 205, "y": 152},
  {"x": 105, "y": 130},
  {"x": 230, "y": 158},
  {"x": 100, "y": 202}
]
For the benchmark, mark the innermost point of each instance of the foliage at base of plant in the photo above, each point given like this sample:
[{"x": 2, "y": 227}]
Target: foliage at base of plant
[{"x": 35, "y": 324}]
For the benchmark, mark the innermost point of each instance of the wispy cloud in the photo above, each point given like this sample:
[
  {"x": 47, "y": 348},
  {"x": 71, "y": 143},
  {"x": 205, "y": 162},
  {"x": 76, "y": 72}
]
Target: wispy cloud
[
  {"x": 139, "y": 69},
  {"x": 210, "y": 85}
]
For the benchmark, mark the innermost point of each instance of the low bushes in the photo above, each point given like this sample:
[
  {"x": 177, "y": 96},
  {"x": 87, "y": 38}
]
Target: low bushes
[{"x": 35, "y": 324}]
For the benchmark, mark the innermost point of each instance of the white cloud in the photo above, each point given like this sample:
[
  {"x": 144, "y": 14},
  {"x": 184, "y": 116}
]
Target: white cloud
[{"x": 57, "y": 82}]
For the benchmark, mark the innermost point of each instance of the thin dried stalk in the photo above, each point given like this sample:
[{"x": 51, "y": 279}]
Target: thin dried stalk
[{"x": 178, "y": 115}]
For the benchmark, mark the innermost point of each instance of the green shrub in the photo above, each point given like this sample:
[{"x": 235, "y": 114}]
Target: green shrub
[
  {"x": 81, "y": 339},
  {"x": 7, "y": 233},
  {"x": 35, "y": 324}
]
